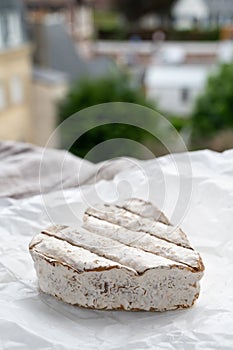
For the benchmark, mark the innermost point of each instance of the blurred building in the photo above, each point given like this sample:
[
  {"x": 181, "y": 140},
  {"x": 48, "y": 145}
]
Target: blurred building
[
  {"x": 175, "y": 88},
  {"x": 75, "y": 14},
  {"x": 148, "y": 52},
  {"x": 49, "y": 87},
  {"x": 202, "y": 13},
  {"x": 102, "y": 5},
  {"x": 15, "y": 73},
  {"x": 55, "y": 49},
  {"x": 179, "y": 71}
]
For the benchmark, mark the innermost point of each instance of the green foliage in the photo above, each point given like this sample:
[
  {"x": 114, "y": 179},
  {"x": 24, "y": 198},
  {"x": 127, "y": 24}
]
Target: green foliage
[
  {"x": 134, "y": 10},
  {"x": 93, "y": 92},
  {"x": 214, "y": 108},
  {"x": 179, "y": 122},
  {"x": 107, "y": 20},
  {"x": 109, "y": 25},
  {"x": 193, "y": 34}
]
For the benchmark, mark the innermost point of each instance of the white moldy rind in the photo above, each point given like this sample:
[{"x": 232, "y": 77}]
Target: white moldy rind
[
  {"x": 111, "y": 264},
  {"x": 144, "y": 209},
  {"x": 158, "y": 289},
  {"x": 143, "y": 241},
  {"x": 135, "y": 222},
  {"x": 84, "y": 250}
]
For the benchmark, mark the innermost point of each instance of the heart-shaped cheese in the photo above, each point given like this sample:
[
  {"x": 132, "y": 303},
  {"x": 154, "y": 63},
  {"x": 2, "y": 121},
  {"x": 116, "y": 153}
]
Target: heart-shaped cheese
[{"x": 125, "y": 256}]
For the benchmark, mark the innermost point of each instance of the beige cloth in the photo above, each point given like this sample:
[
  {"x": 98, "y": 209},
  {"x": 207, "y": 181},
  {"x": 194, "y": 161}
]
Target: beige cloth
[{"x": 26, "y": 170}]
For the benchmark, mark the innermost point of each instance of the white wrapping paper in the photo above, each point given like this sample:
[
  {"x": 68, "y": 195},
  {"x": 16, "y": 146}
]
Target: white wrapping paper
[{"x": 30, "y": 319}]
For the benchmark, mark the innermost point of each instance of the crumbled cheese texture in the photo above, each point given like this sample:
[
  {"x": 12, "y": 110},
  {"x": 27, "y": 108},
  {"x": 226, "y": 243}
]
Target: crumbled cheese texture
[{"x": 126, "y": 256}]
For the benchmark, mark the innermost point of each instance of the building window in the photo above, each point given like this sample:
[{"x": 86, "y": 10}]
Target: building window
[
  {"x": 184, "y": 95},
  {"x": 16, "y": 90},
  {"x": 2, "y": 97},
  {"x": 2, "y": 44},
  {"x": 14, "y": 29}
]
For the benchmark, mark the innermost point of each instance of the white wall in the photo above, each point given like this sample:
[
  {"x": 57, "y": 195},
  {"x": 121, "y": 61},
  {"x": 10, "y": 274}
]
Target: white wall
[
  {"x": 186, "y": 11},
  {"x": 169, "y": 100},
  {"x": 44, "y": 111}
]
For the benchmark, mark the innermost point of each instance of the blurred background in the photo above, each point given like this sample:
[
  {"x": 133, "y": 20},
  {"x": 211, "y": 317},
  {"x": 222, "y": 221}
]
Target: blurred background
[{"x": 60, "y": 56}]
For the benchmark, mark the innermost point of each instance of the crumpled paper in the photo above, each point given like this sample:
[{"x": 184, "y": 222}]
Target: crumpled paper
[{"x": 30, "y": 319}]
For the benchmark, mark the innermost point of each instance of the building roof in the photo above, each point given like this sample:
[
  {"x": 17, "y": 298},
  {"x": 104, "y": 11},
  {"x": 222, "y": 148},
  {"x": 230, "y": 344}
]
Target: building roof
[
  {"x": 48, "y": 76},
  {"x": 184, "y": 76},
  {"x": 59, "y": 51},
  {"x": 108, "y": 47},
  {"x": 56, "y": 50},
  {"x": 11, "y": 4},
  {"x": 220, "y": 7}
]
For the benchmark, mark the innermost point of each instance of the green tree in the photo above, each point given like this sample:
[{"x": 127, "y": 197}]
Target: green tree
[
  {"x": 134, "y": 10},
  {"x": 93, "y": 92},
  {"x": 213, "y": 110}
]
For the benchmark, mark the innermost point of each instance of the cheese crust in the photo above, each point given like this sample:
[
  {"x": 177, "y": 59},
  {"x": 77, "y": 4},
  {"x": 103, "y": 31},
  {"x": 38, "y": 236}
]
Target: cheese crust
[{"x": 125, "y": 257}]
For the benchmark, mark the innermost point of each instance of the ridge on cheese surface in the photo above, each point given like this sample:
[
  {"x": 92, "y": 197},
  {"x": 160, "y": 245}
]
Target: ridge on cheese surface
[
  {"x": 128, "y": 219},
  {"x": 122, "y": 258}
]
